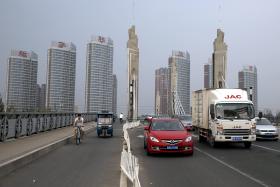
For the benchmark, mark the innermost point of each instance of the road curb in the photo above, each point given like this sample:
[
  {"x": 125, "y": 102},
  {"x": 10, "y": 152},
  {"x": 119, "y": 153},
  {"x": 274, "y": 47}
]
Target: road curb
[{"x": 18, "y": 162}]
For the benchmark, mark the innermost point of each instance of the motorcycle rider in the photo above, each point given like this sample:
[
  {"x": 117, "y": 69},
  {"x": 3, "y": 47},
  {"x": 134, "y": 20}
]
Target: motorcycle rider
[{"x": 121, "y": 117}]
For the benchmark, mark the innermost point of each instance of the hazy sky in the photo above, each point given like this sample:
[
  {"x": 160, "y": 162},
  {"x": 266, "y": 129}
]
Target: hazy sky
[{"x": 252, "y": 33}]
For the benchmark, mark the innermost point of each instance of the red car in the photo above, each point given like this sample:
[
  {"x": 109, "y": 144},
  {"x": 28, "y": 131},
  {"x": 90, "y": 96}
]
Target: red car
[{"x": 167, "y": 136}]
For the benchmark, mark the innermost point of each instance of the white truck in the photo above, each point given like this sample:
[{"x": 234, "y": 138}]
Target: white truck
[{"x": 223, "y": 115}]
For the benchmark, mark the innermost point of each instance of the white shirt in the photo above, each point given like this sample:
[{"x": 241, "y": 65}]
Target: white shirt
[{"x": 78, "y": 121}]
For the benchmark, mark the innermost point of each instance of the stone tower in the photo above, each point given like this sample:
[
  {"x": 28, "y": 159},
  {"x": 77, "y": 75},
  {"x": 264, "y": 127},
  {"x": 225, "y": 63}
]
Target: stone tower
[
  {"x": 133, "y": 74},
  {"x": 219, "y": 61}
]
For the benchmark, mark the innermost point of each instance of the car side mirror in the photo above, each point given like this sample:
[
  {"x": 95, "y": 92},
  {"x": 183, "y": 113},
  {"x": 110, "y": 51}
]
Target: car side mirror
[
  {"x": 146, "y": 128},
  {"x": 186, "y": 128}
]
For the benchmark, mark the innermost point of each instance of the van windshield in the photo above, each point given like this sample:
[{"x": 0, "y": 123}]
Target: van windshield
[{"x": 234, "y": 111}]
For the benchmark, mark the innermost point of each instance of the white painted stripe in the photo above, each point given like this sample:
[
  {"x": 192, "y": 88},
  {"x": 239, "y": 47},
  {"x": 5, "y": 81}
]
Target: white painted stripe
[
  {"x": 267, "y": 148},
  {"x": 233, "y": 168},
  {"x": 140, "y": 136}
]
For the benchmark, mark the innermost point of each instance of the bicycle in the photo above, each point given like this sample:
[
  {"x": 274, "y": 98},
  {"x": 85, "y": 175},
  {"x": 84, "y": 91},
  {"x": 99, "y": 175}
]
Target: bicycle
[{"x": 78, "y": 135}]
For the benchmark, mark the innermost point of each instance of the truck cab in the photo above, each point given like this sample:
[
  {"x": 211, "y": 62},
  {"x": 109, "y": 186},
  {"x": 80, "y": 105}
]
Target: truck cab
[{"x": 224, "y": 115}]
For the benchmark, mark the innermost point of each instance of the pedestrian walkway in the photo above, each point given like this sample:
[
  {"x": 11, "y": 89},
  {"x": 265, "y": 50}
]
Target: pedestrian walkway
[{"x": 13, "y": 149}]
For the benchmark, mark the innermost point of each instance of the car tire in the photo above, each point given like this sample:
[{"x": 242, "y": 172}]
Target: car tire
[
  {"x": 247, "y": 144},
  {"x": 147, "y": 151}
]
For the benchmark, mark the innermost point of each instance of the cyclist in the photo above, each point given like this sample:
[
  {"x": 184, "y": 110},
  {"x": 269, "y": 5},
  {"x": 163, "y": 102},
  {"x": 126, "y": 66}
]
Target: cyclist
[
  {"x": 121, "y": 117},
  {"x": 79, "y": 122}
]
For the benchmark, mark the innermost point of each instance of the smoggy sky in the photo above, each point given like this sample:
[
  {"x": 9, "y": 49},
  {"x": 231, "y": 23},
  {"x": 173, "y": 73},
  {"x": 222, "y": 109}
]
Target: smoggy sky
[{"x": 252, "y": 33}]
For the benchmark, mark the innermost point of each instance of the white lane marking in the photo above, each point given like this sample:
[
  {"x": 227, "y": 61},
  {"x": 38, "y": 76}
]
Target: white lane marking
[
  {"x": 231, "y": 167},
  {"x": 140, "y": 136},
  {"x": 270, "y": 149}
]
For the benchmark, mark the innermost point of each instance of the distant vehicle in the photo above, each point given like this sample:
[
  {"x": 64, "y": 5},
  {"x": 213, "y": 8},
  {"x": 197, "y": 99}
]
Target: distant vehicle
[
  {"x": 167, "y": 136},
  {"x": 104, "y": 123},
  {"x": 187, "y": 122},
  {"x": 224, "y": 115},
  {"x": 265, "y": 129}
]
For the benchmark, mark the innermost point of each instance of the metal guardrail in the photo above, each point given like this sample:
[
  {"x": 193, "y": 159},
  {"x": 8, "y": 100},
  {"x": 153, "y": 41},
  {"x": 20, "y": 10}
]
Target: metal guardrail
[
  {"x": 129, "y": 163},
  {"x": 15, "y": 125}
]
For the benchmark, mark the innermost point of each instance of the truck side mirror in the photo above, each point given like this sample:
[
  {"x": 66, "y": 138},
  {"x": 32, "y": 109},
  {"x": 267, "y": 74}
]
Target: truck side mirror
[{"x": 212, "y": 113}]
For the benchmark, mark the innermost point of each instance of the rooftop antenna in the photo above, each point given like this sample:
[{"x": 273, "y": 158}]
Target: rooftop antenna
[
  {"x": 133, "y": 12},
  {"x": 219, "y": 15}
]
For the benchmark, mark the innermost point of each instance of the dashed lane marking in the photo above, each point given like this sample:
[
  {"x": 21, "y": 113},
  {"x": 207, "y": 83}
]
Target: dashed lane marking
[
  {"x": 232, "y": 167},
  {"x": 267, "y": 148}
]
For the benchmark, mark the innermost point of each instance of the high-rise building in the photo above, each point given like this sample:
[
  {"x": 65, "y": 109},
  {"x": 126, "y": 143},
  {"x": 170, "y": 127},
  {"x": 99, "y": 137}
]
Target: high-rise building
[
  {"x": 61, "y": 74},
  {"x": 115, "y": 93},
  {"x": 247, "y": 78},
  {"x": 41, "y": 97},
  {"x": 42, "y": 101},
  {"x": 179, "y": 77},
  {"x": 208, "y": 74},
  {"x": 219, "y": 59},
  {"x": 133, "y": 73},
  {"x": 22, "y": 80},
  {"x": 99, "y": 75},
  {"x": 161, "y": 91}
]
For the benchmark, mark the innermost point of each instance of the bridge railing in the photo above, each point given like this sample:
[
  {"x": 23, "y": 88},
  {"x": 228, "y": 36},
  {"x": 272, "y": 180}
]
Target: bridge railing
[
  {"x": 15, "y": 125},
  {"x": 129, "y": 163}
]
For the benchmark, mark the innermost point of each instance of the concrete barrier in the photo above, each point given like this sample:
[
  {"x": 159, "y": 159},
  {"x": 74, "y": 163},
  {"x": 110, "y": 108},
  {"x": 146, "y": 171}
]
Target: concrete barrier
[{"x": 129, "y": 163}]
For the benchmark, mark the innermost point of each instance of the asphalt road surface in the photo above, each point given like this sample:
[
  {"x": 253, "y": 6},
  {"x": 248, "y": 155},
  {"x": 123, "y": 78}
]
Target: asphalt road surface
[
  {"x": 95, "y": 162},
  {"x": 228, "y": 165}
]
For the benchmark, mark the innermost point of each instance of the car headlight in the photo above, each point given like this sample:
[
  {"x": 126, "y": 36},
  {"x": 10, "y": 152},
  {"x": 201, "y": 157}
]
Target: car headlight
[
  {"x": 153, "y": 139},
  {"x": 188, "y": 139},
  {"x": 99, "y": 126},
  {"x": 109, "y": 126}
]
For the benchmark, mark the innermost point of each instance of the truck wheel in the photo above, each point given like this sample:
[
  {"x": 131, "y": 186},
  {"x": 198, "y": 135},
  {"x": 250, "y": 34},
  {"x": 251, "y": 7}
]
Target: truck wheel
[
  {"x": 247, "y": 144},
  {"x": 212, "y": 142}
]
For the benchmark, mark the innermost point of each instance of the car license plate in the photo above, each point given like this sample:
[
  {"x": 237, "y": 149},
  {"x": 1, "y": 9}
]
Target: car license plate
[
  {"x": 171, "y": 147},
  {"x": 236, "y": 138}
]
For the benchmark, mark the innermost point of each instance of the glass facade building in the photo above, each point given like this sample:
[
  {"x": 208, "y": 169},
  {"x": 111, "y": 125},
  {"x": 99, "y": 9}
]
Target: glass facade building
[
  {"x": 22, "y": 81},
  {"x": 247, "y": 78},
  {"x": 115, "y": 93},
  {"x": 179, "y": 68},
  {"x": 61, "y": 74},
  {"x": 99, "y": 75},
  {"x": 161, "y": 91}
]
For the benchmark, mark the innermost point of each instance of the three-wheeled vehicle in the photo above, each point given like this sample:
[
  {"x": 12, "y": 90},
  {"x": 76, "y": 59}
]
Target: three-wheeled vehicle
[{"x": 104, "y": 123}]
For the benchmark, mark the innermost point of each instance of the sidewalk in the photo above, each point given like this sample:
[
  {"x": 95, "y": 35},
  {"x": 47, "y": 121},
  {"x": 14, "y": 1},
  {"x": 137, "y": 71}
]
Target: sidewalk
[{"x": 39, "y": 144}]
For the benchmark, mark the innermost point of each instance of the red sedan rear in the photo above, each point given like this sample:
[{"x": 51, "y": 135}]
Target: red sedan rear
[{"x": 167, "y": 136}]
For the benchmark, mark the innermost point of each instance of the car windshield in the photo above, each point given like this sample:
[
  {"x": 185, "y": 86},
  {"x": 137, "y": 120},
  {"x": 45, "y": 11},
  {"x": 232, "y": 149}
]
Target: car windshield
[
  {"x": 234, "y": 111},
  {"x": 186, "y": 118},
  {"x": 167, "y": 126},
  {"x": 263, "y": 121}
]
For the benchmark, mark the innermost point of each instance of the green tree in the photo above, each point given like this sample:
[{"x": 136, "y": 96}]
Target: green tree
[
  {"x": 277, "y": 118},
  {"x": 268, "y": 114}
]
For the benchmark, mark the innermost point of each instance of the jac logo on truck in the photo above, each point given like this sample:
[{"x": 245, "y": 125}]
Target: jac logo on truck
[{"x": 233, "y": 97}]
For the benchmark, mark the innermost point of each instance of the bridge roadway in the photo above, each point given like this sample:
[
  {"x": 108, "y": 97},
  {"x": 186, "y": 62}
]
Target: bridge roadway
[
  {"x": 231, "y": 165},
  {"x": 95, "y": 162}
]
